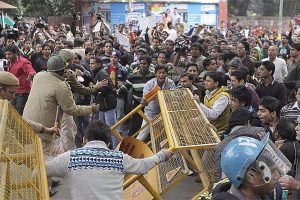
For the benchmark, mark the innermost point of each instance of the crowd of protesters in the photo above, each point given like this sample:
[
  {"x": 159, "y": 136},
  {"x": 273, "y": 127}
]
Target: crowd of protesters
[{"x": 242, "y": 77}]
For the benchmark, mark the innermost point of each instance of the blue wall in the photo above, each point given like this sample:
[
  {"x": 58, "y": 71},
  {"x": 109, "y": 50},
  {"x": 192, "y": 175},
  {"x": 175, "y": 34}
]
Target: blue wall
[
  {"x": 196, "y": 15},
  {"x": 117, "y": 13}
]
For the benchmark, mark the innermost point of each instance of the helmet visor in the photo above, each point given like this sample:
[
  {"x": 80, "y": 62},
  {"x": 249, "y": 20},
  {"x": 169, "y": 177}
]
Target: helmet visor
[{"x": 274, "y": 159}]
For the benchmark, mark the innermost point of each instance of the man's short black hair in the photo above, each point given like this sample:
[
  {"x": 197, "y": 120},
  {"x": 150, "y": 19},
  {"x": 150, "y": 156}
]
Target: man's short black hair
[
  {"x": 269, "y": 66},
  {"x": 97, "y": 130},
  {"x": 224, "y": 41},
  {"x": 286, "y": 129},
  {"x": 271, "y": 103},
  {"x": 228, "y": 56},
  {"x": 191, "y": 64},
  {"x": 216, "y": 76},
  {"x": 156, "y": 38},
  {"x": 78, "y": 42},
  {"x": 160, "y": 66},
  {"x": 97, "y": 59},
  {"x": 191, "y": 78},
  {"x": 198, "y": 46},
  {"x": 12, "y": 48},
  {"x": 296, "y": 46},
  {"x": 146, "y": 58},
  {"x": 163, "y": 52},
  {"x": 88, "y": 50},
  {"x": 46, "y": 44},
  {"x": 239, "y": 75},
  {"x": 245, "y": 70},
  {"x": 242, "y": 94},
  {"x": 246, "y": 45},
  {"x": 218, "y": 48},
  {"x": 206, "y": 62}
]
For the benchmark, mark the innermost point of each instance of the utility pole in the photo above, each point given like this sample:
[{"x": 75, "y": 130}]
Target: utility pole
[{"x": 280, "y": 16}]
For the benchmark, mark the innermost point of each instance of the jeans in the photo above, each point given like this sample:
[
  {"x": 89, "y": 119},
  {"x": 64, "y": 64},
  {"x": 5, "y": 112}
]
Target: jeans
[
  {"x": 146, "y": 131},
  {"x": 109, "y": 117},
  {"x": 135, "y": 120},
  {"x": 82, "y": 122},
  {"x": 19, "y": 102},
  {"x": 120, "y": 112}
]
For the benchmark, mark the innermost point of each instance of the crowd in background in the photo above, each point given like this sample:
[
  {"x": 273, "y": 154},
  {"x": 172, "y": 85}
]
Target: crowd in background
[{"x": 240, "y": 76}]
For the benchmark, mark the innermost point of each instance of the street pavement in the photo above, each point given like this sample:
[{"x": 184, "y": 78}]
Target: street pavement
[{"x": 183, "y": 191}]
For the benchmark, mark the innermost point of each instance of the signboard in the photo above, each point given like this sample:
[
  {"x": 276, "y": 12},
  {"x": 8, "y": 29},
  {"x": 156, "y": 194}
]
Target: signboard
[
  {"x": 149, "y": 21},
  {"x": 124, "y": 41},
  {"x": 208, "y": 14},
  {"x": 133, "y": 19},
  {"x": 135, "y": 7}
]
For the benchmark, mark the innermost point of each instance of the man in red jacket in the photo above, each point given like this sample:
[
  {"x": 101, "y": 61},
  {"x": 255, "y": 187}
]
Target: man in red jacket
[{"x": 22, "y": 69}]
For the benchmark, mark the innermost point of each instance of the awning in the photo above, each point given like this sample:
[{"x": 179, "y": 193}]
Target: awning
[{"x": 4, "y": 5}]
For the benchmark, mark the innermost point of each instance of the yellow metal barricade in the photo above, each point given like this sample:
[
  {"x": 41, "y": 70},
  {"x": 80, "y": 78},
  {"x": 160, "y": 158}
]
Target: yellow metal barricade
[
  {"x": 183, "y": 128},
  {"x": 139, "y": 186},
  {"x": 174, "y": 170},
  {"x": 22, "y": 167},
  {"x": 187, "y": 128},
  {"x": 149, "y": 97}
]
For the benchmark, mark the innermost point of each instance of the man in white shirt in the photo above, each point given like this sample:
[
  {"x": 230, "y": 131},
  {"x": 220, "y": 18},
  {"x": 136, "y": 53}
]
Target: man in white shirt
[
  {"x": 216, "y": 101},
  {"x": 280, "y": 65}
]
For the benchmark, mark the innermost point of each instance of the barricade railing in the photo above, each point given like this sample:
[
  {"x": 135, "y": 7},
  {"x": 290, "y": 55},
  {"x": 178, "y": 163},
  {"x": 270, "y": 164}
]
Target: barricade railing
[{"x": 22, "y": 174}]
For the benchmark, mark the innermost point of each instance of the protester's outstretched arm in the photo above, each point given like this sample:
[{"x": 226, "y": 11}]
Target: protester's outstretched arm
[
  {"x": 198, "y": 30},
  {"x": 46, "y": 34},
  {"x": 106, "y": 26},
  {"x": 150, "y": 33},
  {"x": 147, "y": 39},
  {"x": 176, "y": 59}
]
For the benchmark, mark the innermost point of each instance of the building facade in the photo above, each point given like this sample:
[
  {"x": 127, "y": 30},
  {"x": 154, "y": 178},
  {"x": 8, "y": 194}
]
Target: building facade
[{"x": 144, "y": 13}]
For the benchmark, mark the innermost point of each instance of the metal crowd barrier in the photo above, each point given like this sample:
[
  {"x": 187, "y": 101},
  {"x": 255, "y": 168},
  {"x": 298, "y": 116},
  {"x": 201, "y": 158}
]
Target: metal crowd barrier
[
  {"x": 22, "y": 166},
  {"x": 183, "y": 128}
]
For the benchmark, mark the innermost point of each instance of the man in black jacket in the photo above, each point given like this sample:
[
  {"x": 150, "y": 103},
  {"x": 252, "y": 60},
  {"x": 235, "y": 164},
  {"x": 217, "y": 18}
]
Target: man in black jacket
[{"x": 107, "y": 97}]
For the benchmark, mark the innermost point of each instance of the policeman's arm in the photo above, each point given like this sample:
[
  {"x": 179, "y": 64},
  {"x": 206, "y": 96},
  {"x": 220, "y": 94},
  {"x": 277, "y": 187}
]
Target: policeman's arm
[
  {"x": 79, "y": 88},
  {"x": 64, "y": 98}
]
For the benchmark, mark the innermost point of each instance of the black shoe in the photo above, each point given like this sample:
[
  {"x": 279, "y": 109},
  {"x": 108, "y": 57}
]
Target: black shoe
[
  {"x": 55, "y": 183},
  {"x": 52, "y": 193}
]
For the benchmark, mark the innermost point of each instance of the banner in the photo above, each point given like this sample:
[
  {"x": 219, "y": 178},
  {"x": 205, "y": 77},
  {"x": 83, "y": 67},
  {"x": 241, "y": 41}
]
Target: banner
[
  {"x": 149, "y": 21},
  {"x": 124, "y": 41}
]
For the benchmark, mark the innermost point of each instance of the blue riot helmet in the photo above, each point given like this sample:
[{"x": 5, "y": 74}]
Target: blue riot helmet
[{"x": 245, "y": 154}]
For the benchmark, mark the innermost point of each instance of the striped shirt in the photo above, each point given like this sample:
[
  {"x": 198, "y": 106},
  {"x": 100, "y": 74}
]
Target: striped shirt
[{"x": 291, "y": 111}]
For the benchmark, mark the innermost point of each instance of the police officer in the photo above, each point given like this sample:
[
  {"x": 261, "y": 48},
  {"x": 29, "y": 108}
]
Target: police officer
[
  {"x": 253, "y": 168},
  {"x": 50, "y": 90},
  {"x": 8, "y": 86}
]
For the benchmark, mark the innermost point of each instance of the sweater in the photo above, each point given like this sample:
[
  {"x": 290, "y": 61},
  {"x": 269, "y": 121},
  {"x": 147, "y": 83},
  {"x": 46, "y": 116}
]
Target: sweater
[
  {"x": 95, "y": 172},
  {"x": 221, "y": 121}
]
